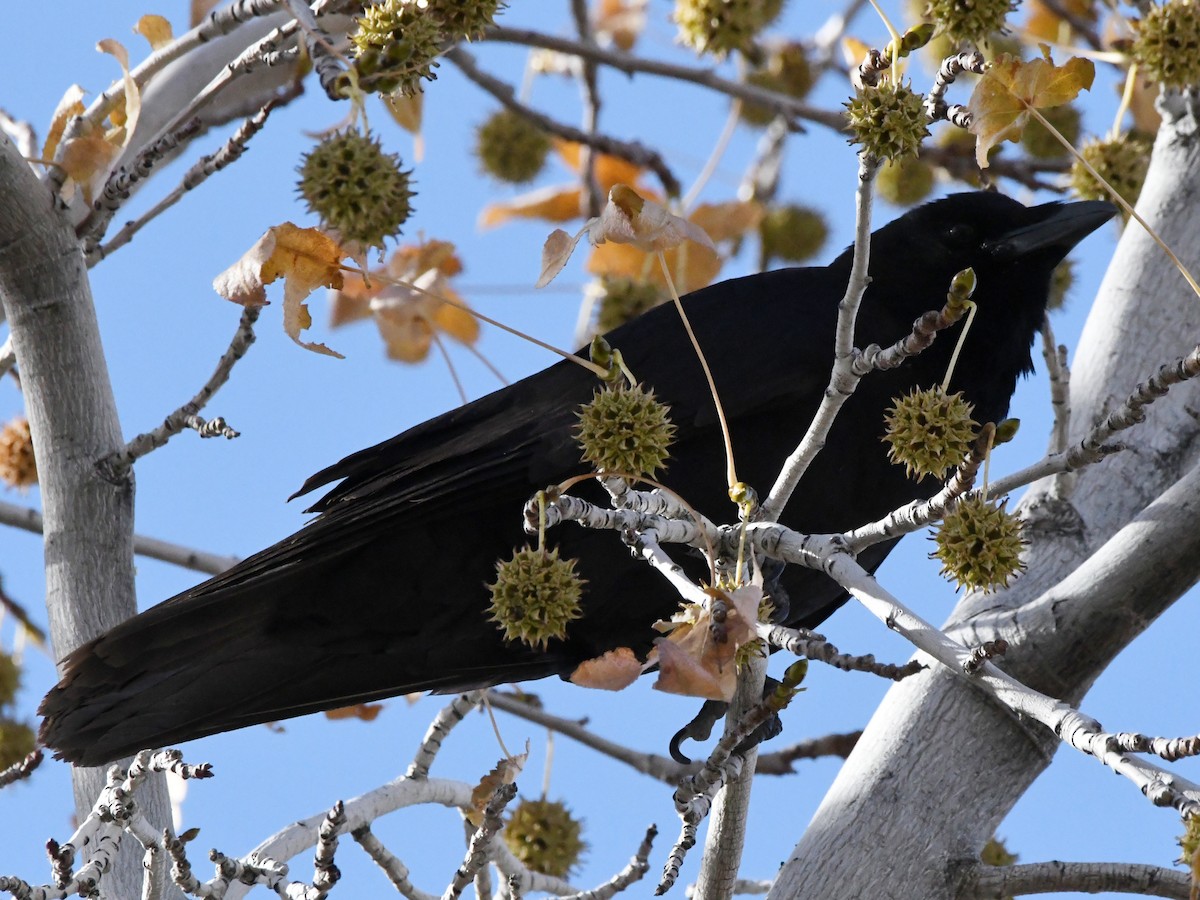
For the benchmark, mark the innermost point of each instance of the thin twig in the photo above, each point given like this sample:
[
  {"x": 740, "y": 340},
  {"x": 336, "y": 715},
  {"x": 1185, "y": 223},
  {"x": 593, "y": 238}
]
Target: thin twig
[
  {"x": 196, "y": 175},
  {"x": 186, "y": 415},
  {"x": 177, "y": 554},
  {"x": 842, "y": 380},
  {"x": 659, "y": 767},
  {"x": 590, "y": 90},
  {"x": 780, "y": 104}
]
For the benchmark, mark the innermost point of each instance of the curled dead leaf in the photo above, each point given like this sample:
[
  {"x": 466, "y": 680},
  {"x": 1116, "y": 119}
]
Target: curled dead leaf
[
  {"x": 613, "y": 671},
  {"x": 505, "y": 772},
  {"x": 305, "y": 258},
  {"x": 1001, "y": 102}
]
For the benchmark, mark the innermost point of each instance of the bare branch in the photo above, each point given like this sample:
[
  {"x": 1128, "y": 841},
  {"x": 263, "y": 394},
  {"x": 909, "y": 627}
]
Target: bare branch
[
  {"x": 815, "y": 647},
  {"x": 987, "y": 882},
  {"x": 780, "y": 761},
  {"x": 660, "y": 767},
  {"x": 443, "y": 723},
  {"x": 842, "y": 380},
  {"x": 196, "y": 175},
  {"x": 176, "y": 554},
  {"x": 779, "y": 104},
  {"x": 22, "y": 768}
]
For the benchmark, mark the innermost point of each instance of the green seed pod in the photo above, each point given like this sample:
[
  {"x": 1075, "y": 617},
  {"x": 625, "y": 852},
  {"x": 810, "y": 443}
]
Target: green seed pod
[
  {"x": 356, "y": 188},
  {"x": 511, "y": 148},
  {"x": 1040, "y": 143},
  {"x": 17, "y": 741},
  {"x": 979, "y": 545},
  {"x": 888, "y": 121},
  {"x": 786, "y": 71},
  {"x": 930, "y": 432},
  {"x": 721, "y": 26},
  {"x": 904, "y": 182},
  {"x": 792, "y": 233},
  {"x": 396, "y": 46},
  {"x": 970, "y": 21},
  {"x": 464, "y": 18},
  {"x": 545, "y": 837},
  {"x": 535, "y": 596},
  {"x": 1122, "y": 162},
  {"x": 625, "y": 299},
  {"x": 625, "y": 429},
  {"x": 1167, "y": 45}
]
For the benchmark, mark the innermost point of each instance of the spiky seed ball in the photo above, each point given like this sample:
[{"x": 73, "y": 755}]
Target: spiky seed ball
[
  {"x": 624, "y": 299},
  {"x": 888, "y": 120},
  {"x": 625, "y": 429},
  {"x": 968, "y": 20},
  {"x": 356, "y": 188},
  {"x": 792, "y": 233},
  {"x": 1167, "y": 44},
  {"x": 979, "y": 544},
  {"x": 929, "y": 432},
  {"x": 994, "y": 853},
  {"x": 396, "y": 45},
  {"x": 16, "y": 742},
  {"x": 511, "y": 148},
  {"x": 464, "y": 18},
  {"x": 1040, "y": 143},
  {"x": 904, "y": 182},
  {"x": 545, "y": 837},
  {"x": 18, "y": 468},
  {"x": 720, "y": 26},
  {"x": 786, "y": 71},
  {"x": 1189, "y": 844},
  {"x": 535, "y": 596},
  {"x": 10, "y": 679},
  {"x": 1121, "y": 162}
]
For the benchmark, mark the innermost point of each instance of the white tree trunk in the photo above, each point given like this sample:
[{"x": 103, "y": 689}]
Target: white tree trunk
[
  {"x": 88, "y": 520},
  {"x": 940, "y": 765}
]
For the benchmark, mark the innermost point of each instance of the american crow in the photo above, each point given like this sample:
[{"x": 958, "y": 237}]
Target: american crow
[{"x": 384, "y": 592}]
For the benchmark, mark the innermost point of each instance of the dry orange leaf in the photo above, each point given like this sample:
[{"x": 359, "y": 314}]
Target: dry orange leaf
[
  {"x": 692, "y": 662},
  {"x": 728, "y": 220},
  {"x": 692, "y": 266},
  {"x": 505, "y": 772},
  {"x": 88, "y": 156},
  {"x": 613, "y": 671},
  {"x": 562, "y": 203},
  {"x": 366, "y": 712},
  {"x": 155, "y": 29},
  {"x": 407, "y": 315},
  {"x": 619, "y": 22},
  {"x": 1001, "y": 103},
  {"x": 304, "y": 257},
  {"x": 1045, "y": 24},
  {"x": 553, "y": 204},
  {"x": 69, "y": 106}
]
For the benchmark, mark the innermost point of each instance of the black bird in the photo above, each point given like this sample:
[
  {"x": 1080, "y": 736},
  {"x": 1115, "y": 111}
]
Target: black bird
[{"x": 384, "y": 592}]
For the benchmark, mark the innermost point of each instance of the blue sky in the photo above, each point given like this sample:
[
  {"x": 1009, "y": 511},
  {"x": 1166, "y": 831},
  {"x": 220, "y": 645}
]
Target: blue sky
[{"x": 163, "y": 329}]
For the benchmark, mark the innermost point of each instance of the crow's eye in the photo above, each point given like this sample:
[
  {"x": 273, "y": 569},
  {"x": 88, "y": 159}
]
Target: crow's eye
[{"x": 961, "y": 234}]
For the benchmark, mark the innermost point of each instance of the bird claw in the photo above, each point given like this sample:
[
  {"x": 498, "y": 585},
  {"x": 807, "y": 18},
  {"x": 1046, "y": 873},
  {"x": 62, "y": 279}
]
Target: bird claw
[{"x": 700, "y": 727}]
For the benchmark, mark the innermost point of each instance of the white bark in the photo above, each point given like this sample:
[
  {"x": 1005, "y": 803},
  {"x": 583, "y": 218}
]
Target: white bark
[
  {"x": 88, "y": 521},
  {"x": 939, "y": 766}
]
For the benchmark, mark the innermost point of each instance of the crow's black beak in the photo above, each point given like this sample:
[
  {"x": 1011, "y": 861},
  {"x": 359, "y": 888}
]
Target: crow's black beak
[{"x": 1054, "y": 226}]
